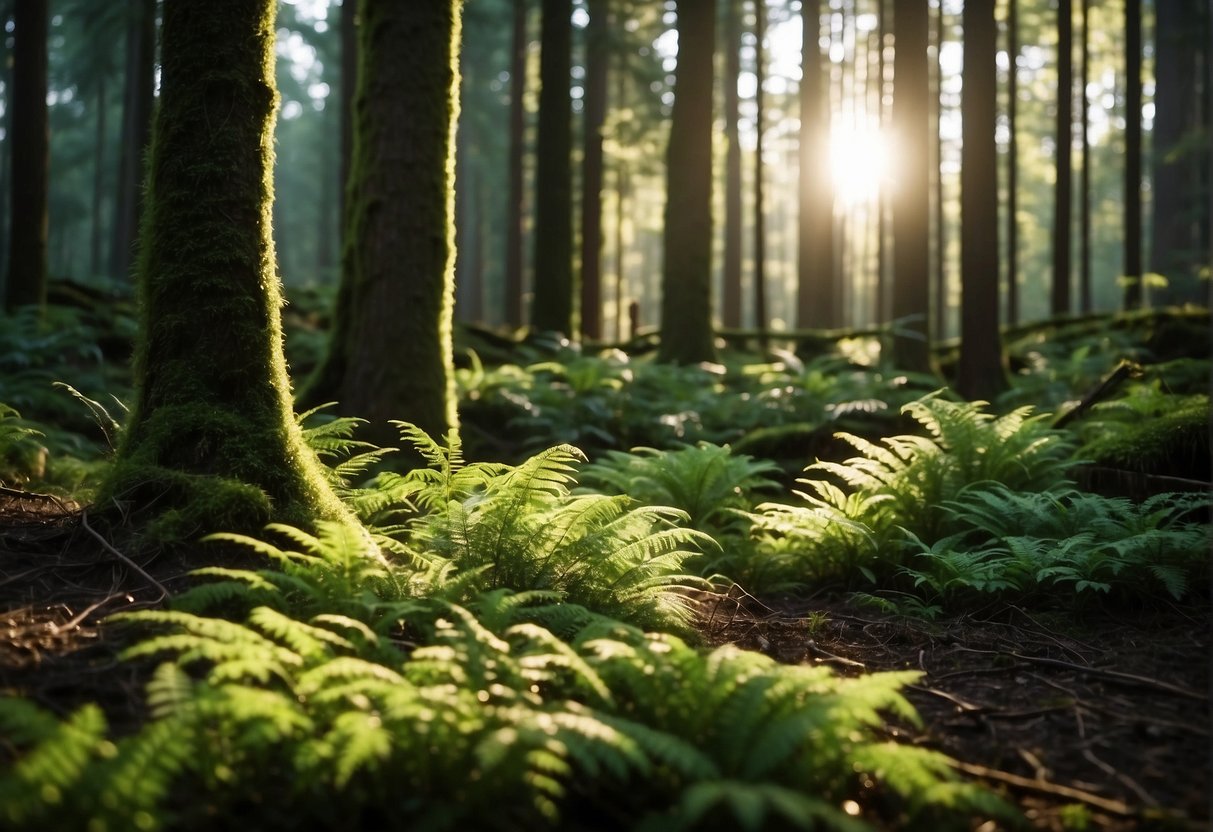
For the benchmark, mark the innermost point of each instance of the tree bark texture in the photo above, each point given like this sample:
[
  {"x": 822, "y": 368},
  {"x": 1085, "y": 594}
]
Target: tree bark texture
[
  {"x": 1013, "y": 162},
  {"x": 1062, "y": 188},
  {"x": 513, "y": 214},
  {"x": 1181, "y": 27},
  {"x": 911, "y": 201},
  {"x": 730, "y": 305},
  {"x": 390, "y": 352},
  {"x": 138, "y": 99},
  {"x": 761, "y": 319},
  {"x": 1085, "y": 301},
  {"x": 595, "y": 100},
  {"x": 686, "y": 303},
  {"x": 980, "y": 374},
  {"x": 552, "y": 303},
  {"x": 817, "y": 301},
  {"x": 1132, "y": 232},
  {"x": 26, "y": 279},
  {"x": 212, "y": 442}
]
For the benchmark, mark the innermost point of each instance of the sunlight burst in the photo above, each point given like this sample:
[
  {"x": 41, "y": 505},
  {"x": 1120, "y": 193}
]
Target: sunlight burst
[{"x": 859, "y": 161}]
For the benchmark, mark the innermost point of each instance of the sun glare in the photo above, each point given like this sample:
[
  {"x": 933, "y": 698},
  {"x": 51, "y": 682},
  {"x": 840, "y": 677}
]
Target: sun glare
[{"x": 858, "y": 162}]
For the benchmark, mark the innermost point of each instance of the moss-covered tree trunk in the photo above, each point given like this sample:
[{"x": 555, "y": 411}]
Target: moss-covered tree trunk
[
  {"x": 212, "y": 442},
  {"x": 686, "y": 302},
  {"x": 390, "y": 352},
  {"x": 138, "y": 96},
  {"x": 552, "y": 303},
  {"x": 26, "y": 278}
]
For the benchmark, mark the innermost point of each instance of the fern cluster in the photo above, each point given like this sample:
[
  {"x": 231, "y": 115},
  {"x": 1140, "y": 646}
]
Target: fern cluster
[
  {"x": 1039, "y": 544},
  {"x": 611, "y": 401},
  {"x": 490, "y": 722},
  {"x": 860, "y": 511},
  {"x": 520, "y": 527}
]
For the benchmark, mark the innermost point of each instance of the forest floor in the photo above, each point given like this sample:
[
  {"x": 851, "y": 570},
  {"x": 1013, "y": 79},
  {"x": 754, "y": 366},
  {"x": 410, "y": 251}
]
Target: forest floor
[{"x": 1099, "y": 721}]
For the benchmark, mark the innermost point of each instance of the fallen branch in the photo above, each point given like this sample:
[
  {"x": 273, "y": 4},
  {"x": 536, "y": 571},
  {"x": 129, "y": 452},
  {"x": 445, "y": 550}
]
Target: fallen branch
[
  {"x": 1130, "y": 678},
  {"x": 1114, "y": 807},
  {"x": 109, "y": 548},
  {"x": 1124, "y": 370}
]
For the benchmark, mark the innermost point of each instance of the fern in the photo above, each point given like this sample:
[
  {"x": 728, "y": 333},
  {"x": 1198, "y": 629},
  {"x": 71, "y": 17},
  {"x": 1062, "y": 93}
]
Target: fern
[
  {"x": 1024, "y": 543},
  {"x": 704, "y": 480},
  {"x": 521, "y": 528},
  {"x": 861, "y": 512}
]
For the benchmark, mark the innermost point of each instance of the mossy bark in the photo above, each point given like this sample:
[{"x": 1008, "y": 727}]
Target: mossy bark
[
  {"x": 390, "y": 354},
  {"x": 212, "y": 442},
  {"x": 686, "y": 303}
]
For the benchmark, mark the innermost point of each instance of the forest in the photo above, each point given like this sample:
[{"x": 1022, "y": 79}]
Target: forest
[{"x": 605, "y": 414}]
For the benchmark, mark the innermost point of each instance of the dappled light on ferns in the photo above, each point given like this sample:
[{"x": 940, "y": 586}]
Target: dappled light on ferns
[{"x": 472, "y": 664}]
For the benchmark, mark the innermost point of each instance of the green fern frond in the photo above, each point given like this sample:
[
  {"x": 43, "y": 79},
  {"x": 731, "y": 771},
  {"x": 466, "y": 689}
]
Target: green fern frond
[
  {"x": 56, "y": 760},
  {"x": 304, "y": 639}
]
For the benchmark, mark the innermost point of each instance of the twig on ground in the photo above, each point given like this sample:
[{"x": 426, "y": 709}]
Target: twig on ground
[
  {"x": 1130, "y": 678},
  {"x": 109, "y": 548},
  {"x": 1115, "y": 807}
]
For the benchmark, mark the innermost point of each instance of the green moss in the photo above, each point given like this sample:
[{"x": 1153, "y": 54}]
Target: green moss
[
  {"x": 212, "y": 441},
  {"x": 1172, "y": 442},
  {"x": 390, "y": 355}
]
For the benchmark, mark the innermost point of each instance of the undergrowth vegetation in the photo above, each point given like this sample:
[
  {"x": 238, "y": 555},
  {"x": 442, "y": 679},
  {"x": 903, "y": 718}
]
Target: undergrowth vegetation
[
  {"x": 511, "y": 644},
  {"x": 342, "y": 673}
]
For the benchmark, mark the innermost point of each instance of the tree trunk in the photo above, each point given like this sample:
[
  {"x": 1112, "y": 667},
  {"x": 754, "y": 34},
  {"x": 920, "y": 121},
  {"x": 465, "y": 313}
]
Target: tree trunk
[
  {"x": 349, "y": 90},
  {"x": 94, "y": 260},
  {"x": 621, "y": 274},
  {"x": 980, "y": 374},
  {"x": 686, "y": 302},
  {"x": 882, "y": 199},
  {"x": 138, "y": 98},
  {"x": 911, "y": 203},
  {"x": 817, "y": 299},
  {"x": 940, "y": 274},
  {"x": 761, "y": 320},
  {"x": 1084, "y": 182},
  {"x": 1013, "y": 163},
  {"x": 513, "y": 214},
  {"x": 1060, "y": 294},
  {"x": 390, "y": 352},
  {"x": 596, "y": 58},
  {"x": 731, "y": 302},
  {"x": 1132, "y": 231},
  {"x": 1176, "y": 178},
  {"x": 6, "y": 72},
  {"x": 212, "y": 442},
  {"x": 552, "y": 304},
  {"x": 26, "y": 283}
]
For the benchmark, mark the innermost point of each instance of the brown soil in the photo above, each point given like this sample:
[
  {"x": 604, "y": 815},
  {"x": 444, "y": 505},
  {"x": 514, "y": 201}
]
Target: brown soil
[{"x": 1086, "y": 720}]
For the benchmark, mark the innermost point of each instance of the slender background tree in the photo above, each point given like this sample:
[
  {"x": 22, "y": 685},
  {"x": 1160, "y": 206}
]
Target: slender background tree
[
  {"x": 27, "y": 264},
  {"x": 552, "y": 303},
  {"x": 686, "y": 299}
]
